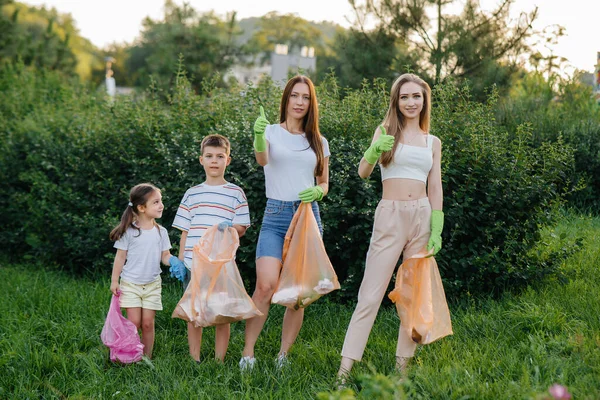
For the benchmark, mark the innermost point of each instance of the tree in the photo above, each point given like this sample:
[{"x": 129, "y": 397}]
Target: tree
[
  {"x": 358, "y": 55},
  {"x": 38, "y": 37},
  {"x": 6, "y": 27},
  {"x": 474, "y": 44},
  {"x": 206, "y": 43},
  {"x": 288, "y": 29}
]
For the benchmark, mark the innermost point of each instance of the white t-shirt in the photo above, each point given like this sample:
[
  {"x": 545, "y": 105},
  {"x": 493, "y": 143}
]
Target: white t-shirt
[
  {"x": 144, "y": 250},
  {"x": 292, "y": 162},
  {"x": 203, "y": 206}
]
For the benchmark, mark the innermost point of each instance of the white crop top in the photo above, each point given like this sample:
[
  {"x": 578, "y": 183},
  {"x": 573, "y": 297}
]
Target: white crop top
[{"x": 410, "y": 162}]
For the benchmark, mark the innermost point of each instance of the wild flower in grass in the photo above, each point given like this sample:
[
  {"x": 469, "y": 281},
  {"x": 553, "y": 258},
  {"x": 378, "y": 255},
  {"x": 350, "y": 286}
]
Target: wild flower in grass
[{"x": 559, "y": 392}]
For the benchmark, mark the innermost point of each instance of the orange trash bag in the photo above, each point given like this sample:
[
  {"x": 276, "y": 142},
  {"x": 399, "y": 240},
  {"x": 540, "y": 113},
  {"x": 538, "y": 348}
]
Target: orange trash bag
[
  {"x": 307, "y": 273},
  {"x": 420, "y": 300},
  {"x": 216, "y": 293}
]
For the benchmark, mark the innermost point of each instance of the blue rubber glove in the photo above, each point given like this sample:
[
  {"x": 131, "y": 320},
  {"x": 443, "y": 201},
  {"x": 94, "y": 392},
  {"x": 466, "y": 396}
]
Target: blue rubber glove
[
  {"x": 177, "y": 269},
  {"x": 224, "y": 225}
]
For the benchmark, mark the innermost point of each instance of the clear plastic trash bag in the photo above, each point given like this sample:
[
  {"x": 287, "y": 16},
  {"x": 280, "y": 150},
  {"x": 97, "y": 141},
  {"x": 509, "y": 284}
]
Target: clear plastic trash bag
[{"x": 216, "y": 293}]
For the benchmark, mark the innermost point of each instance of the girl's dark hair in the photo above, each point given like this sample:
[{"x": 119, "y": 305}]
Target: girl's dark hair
[
  {"x": 311, "y": 119},
  {"x": 138, "y": 196}
]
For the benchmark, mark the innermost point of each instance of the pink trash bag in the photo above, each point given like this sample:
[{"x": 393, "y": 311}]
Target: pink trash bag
[{"x": 121, "y": 336}]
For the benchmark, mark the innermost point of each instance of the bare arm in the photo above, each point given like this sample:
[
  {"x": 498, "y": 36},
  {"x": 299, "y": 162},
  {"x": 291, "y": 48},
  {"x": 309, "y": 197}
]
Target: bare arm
[
  {"x": 184, "y": 235},
  {"x": 241, "y": 229},
  {"x": 364, "y": 168},
  {"x": 323, "y": 179},
  {"x": 434, "y": 180},
  {"x": 118, "y": 264},
  {"x": 165, "y": 257},
  {"x": 262, "y": 158}
]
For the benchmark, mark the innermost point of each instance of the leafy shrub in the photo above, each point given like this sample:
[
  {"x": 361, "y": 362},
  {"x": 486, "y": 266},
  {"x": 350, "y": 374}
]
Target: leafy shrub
[
  {"x": 498, "y": 191},
  {"x": 560, "y": 110},
  {"x": 69, "y": 158}
]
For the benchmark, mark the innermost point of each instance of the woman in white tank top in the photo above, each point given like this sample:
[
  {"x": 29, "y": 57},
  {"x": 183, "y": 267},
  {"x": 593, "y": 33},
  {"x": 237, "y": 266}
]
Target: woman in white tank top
[{"x": 409, "y": 217}]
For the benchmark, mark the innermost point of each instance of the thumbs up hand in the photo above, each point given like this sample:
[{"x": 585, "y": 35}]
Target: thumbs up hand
[
  {"x": 383, "y": 143},
  {"x": 260, "y": 125}
]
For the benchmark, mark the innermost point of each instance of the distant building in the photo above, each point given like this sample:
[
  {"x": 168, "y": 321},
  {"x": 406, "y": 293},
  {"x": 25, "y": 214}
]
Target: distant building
[
  {"x": 588, "y": 79},
  {"x": 282, "y": 62},
  {"x": 278, "y": 67},
  {"x": 251, "y": 71}
]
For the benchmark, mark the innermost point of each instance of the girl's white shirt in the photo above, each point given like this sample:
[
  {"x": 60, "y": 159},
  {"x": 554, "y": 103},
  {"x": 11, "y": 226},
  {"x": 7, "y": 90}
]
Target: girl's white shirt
[
  {"x": 291, "y": 164},
  {"x": 144, "y": 250}
]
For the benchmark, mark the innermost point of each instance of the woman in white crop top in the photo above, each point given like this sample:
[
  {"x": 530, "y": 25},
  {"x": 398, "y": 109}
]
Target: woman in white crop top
[
  {"x": 294, "y": 155},
  {"x": 409, "y": 217}
]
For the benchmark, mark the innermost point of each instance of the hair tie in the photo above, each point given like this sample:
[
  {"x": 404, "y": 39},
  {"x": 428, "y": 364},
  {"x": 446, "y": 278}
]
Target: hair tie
[{"x": 130, "y": 204}]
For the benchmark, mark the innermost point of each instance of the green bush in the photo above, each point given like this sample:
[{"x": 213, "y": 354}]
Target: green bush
[
  {"x": 69, "y": 158},
  {"x": 498, "y": 191},
  {"x": 560, "y": 110}
]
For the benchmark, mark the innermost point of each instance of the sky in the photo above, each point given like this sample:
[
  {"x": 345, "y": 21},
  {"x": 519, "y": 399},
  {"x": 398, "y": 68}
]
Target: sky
[{"x": 109, "y": 21}]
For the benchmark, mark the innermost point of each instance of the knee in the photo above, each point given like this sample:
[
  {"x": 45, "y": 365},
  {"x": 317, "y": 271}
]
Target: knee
[
  {"x": 368, "y": 304},
  {"x": 148, "y": 325},
  {"x": 264, "y": 291}
]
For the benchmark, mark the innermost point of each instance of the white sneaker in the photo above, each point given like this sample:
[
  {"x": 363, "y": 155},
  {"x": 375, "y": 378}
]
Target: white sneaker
[
  {"x": 282, "y": 361},
  {"x": 247, "y": 363}
]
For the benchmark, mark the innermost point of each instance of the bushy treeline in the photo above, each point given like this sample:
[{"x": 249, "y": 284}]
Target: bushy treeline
[
  {"x": 69, "y": 157},
  {"x": 560, "y": 110}
]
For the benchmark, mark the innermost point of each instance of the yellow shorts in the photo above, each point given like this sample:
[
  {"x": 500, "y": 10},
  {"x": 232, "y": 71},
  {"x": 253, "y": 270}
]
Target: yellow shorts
[{"x": 145, "y": 296}]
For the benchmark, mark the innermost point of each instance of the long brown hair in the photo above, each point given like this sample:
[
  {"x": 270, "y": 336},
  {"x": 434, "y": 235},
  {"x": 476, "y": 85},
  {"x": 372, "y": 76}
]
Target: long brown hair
[
  {"x": 310, "y": 123},
  {"x": 138, "y": 196},
  {"x": 394, "y": 121}
]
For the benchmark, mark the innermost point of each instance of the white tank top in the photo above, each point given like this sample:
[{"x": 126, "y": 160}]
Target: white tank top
[{"x": 410, "y": 162}]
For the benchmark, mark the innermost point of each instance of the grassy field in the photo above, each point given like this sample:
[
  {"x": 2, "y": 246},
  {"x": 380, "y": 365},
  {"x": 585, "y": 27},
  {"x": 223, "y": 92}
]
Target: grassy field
[{"x": 514, "y": 347}]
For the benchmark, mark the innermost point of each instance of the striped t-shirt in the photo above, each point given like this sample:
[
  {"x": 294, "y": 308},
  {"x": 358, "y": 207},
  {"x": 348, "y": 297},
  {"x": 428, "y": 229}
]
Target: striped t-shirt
[{"x": 203, "y": 206}]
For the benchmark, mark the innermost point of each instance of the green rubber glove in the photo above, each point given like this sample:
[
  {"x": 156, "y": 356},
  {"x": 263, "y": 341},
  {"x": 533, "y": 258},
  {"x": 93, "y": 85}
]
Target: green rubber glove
[
  {"x": 383, "y": 143},
  {"x": 437, "y": 225},
  {"x": 311, "y": 194},
  {"x": 260, "y": 143}
]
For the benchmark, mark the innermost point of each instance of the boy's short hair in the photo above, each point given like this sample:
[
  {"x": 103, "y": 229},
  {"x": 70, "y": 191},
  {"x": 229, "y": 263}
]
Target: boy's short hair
[{"x": 215, "y": 140}]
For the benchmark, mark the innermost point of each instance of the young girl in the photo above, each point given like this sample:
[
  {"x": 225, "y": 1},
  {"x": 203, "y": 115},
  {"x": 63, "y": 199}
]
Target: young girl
[
  {"x": 141, "y": 245},
  {"x": 409, "y": 216},
  {"x": 293, "y": 153}
]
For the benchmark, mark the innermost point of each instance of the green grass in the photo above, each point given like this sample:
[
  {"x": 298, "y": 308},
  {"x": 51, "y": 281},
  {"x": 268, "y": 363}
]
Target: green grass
[{"x": 514, "y": 347}]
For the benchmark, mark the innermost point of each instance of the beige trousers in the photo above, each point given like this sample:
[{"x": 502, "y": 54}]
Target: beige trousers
[{"x": 400, "y": 227}]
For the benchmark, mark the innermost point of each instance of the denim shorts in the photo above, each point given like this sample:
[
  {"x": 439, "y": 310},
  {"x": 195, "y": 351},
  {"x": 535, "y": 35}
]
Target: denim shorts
[{"x": 276, "y": 221}]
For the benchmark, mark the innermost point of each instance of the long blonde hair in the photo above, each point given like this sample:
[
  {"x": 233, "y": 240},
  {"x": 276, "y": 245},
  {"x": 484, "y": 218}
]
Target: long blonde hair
[{"x": 394, "y": 121}]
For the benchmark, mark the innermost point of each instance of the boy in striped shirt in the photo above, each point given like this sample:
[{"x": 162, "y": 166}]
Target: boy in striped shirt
[{"x": 215, "y": 201}]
